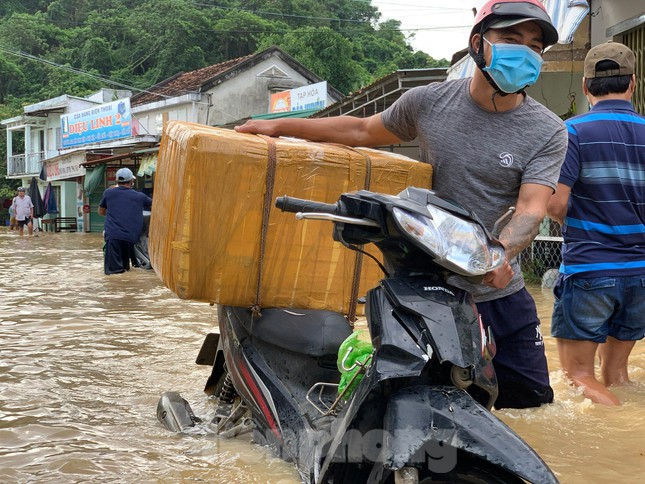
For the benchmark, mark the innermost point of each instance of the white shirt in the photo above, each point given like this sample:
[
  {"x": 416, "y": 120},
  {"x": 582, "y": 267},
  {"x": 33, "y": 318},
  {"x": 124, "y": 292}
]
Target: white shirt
[{"x": 22, "y": 207}]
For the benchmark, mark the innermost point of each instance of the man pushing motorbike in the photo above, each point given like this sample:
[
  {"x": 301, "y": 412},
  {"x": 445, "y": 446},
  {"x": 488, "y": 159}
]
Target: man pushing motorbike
[{"x": 491, "y": 147}]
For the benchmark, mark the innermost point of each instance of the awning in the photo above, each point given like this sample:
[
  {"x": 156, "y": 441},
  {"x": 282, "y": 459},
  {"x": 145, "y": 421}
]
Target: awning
[
  {"x": 107, "y": 159},
  {"x": 305, "y": 113},
  {"x": 135, "y": 155},
  {"x": 93, "y": 179},
  {"x": 567, "y": 16}
]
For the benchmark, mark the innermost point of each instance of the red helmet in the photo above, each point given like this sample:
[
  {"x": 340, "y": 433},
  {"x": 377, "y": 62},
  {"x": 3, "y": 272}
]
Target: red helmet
[{"x": 496, "y": 10}]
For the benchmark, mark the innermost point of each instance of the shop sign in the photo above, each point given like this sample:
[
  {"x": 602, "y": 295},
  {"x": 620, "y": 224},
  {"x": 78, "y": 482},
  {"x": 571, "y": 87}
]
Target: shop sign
[
  {"x": 313, "y": 96},
  {"x": 66, "y": 166},
  {"x": 101, "y": 123}
]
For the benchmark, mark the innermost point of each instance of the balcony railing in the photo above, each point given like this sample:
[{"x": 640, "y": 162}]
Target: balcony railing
[{"x": 29, "y": 164}]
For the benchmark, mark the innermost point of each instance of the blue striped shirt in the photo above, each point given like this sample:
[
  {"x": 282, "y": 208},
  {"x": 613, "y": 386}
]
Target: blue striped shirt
[{"x": 604, "y": 230}]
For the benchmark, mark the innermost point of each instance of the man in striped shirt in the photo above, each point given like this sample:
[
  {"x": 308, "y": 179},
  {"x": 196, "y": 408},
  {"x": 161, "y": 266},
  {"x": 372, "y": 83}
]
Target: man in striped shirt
[{"x": 600, "y": 203}]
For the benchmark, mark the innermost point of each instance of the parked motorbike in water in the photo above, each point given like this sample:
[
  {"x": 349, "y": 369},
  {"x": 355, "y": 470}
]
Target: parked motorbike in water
[{"x": 420, "y": 412}]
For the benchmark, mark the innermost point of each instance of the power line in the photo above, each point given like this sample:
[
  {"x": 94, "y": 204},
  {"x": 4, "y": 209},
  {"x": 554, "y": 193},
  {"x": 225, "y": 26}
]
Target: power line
[{"x": 74, "y": 70}]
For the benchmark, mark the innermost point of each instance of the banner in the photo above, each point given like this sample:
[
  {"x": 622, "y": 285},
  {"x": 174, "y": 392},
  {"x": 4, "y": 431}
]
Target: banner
[
  {"x": 281, "y": 102},
  {"x": 101, "y": 123},
  {"x": 65, "y": 166},
  {"x": 313, "y": 96}
]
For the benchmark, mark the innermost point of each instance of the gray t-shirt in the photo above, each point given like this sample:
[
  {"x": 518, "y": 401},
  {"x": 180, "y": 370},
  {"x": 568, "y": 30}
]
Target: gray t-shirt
[{"x": 480, "y": 158}]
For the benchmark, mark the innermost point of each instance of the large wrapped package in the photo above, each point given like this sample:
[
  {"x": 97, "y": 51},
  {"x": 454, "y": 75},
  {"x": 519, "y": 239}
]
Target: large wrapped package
[{"x": 215, "y": 234}]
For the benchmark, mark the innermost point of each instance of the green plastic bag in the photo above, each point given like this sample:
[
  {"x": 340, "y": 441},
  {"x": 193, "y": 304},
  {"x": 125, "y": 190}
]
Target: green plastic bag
[{"x": 355, "y": 351}]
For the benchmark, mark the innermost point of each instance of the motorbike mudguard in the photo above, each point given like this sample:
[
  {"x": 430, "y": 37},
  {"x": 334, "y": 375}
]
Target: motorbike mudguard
[
  {"x": 141, "y": 246},
  {"x": 434, "y": 425},
  {"x": 141, "y": 253},
  {"x": 175, "y": 413}
]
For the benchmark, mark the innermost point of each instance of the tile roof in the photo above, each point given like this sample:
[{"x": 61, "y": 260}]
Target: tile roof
[{"x": 185, "y": 82}]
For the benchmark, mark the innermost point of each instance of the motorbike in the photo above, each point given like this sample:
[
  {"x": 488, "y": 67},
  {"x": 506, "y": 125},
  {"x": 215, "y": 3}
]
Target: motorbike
[
  {"x": 421, "y": 410},
  {"x": 141, "y": 247}
]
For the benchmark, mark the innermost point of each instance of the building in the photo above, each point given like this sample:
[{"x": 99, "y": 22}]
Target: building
[
  {"x": 75, "y": 141},
  {"x": 622, "y": 22}
]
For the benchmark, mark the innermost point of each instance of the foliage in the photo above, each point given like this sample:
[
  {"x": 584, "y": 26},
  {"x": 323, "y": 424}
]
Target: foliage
[
  {"x": 532, "y": 270},
  {"x": 240, "y": 33},
  {"x": 7, "y": 187},
  {"x": 326, "y": 53},
  {"x": 140, "y": 43},
  {"x": 10, "y": 77}
]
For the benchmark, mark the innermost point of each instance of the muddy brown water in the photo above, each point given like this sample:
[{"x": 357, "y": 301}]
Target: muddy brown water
[{"x": 84, "y": 358}]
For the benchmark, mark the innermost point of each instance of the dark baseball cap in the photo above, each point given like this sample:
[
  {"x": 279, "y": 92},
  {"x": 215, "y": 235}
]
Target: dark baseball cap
[{"x": 609, "y": 51}]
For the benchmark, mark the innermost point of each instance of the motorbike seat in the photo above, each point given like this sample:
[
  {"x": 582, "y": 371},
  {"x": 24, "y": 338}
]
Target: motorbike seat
[{"x": 311, "y": 332}]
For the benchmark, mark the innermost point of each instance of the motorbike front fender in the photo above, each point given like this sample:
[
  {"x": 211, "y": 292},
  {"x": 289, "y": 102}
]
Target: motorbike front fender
[{"x": 436, "y": 424}]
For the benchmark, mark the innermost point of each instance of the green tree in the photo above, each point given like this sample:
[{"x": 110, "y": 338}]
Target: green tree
[
  {"x": 7, "y": 187},
  {"x": 150, "y": 46},
  {"x": 7, "y": 7},
  {"x": 70, "y": 12},
  {"x": 139, "y": 43},
  {"x": 32, "y": 34},
  {"x": 96, "y": 53},
  {"x": 60, "y": 82},
  {"x": 241, "y": 33},
  {"x": 326, "y": 53},
  {"x": 387, "y": 50},
  {"x": 10, "y": 77}
]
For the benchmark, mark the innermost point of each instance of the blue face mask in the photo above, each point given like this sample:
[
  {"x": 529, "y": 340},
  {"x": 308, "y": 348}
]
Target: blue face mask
[{"x": 513, "y": 67}]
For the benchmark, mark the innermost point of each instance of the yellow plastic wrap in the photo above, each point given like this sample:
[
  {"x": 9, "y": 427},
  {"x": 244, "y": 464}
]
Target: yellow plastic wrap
[{"x": 207, "y": 213}]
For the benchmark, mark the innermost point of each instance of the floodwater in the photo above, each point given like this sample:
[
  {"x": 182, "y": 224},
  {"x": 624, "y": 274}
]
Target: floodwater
[{"x": 84, "y": 358}]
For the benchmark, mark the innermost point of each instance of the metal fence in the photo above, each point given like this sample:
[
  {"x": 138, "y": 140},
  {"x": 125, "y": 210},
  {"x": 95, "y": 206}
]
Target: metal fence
[{"x": 540, "y": 261}]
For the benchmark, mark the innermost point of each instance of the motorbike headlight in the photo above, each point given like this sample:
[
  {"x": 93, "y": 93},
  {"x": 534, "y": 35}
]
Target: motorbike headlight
[{"x": 457, "y": 244}]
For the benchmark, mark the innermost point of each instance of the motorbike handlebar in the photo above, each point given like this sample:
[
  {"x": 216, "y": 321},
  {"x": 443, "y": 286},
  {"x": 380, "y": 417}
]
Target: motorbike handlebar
[{"x": 292, "y": 204}]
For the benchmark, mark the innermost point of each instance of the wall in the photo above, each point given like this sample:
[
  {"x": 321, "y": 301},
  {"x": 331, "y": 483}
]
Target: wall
[
  {"x": 108, "y": 95},
  {"x": 609, "y": 13},
  {"x": 52, "y": 133},
  {"x": 191, "y": 108},
  {"x": 51, "y": 147},
  {"x": 553, "y": 90},
  {"x": 67, "y": 202},
  {"x": 250, "y": 93}
]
